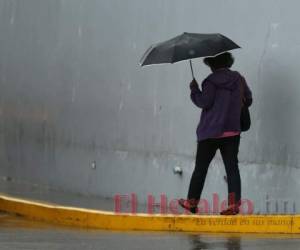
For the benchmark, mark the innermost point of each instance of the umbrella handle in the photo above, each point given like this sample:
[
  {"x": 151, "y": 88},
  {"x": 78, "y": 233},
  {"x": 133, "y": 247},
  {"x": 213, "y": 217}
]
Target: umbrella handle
[{"x": 191, "y": 66}]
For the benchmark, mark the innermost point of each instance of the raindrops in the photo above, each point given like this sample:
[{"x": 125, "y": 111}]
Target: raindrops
[
  {"x": 191, "y": 52},
  {"x": 73, "y": 94},
  {"x": 274, "y": 26},
  {"x": 121, "y": 105},
  {"x": 79, "y": 31},
  {"x": 12, "y": 20}
]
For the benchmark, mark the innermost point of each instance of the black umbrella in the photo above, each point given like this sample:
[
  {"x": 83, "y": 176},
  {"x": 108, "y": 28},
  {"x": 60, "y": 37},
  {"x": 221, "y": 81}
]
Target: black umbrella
[{"x": 187, "y": 46}]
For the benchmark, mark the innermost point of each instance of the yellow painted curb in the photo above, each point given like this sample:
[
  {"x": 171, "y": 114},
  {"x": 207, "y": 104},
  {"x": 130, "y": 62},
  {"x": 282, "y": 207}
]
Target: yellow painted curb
[{"x": 71, "y": 216}]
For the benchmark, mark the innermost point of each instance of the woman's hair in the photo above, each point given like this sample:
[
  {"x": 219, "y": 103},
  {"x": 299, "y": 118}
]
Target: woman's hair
[{"x": 224, "y": 60}]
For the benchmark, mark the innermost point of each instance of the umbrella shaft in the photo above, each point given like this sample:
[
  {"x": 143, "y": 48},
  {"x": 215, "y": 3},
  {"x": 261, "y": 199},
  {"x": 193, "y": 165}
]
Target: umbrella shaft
[{"x": 191, "y": 65}]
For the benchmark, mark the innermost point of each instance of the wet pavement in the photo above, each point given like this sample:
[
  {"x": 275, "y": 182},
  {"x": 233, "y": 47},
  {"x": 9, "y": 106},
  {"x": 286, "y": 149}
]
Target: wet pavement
[{"x": 21, "y": 234}]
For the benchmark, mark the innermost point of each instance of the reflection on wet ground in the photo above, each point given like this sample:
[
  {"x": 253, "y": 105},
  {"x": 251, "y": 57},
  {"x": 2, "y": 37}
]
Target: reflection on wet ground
[{"x": 19, "y": 234}]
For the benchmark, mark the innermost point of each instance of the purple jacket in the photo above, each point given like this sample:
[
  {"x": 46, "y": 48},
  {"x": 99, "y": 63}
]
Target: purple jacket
[{"x": 220, "y": 101}]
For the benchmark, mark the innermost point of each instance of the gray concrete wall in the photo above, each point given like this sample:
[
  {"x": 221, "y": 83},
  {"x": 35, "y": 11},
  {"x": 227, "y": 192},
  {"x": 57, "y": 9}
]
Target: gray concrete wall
[{"x": 72, "y": 93}]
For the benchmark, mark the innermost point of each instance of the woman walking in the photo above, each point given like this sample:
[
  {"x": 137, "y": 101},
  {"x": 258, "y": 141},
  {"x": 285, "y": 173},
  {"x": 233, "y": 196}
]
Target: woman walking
[{"x": 222, "y": 96}]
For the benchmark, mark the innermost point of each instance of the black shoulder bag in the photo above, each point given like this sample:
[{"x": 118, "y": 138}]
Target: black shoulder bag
[{"x": 245, "y": 113}]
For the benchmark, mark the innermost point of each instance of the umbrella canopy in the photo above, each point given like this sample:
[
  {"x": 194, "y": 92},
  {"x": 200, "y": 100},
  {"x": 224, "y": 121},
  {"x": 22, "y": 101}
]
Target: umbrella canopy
[{"x": 187, "y": 46}]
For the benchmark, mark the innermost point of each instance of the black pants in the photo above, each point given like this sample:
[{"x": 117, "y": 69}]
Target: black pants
[{"x": 206, "y": 150}]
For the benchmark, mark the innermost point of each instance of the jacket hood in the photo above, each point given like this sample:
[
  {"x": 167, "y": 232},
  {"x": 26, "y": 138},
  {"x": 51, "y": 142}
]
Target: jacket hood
[{"x": 224, "y": 78}]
